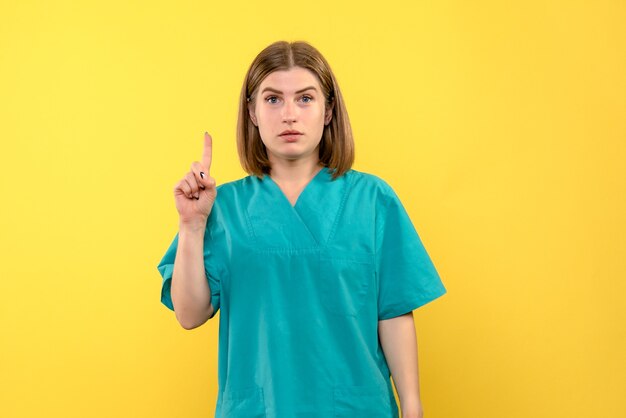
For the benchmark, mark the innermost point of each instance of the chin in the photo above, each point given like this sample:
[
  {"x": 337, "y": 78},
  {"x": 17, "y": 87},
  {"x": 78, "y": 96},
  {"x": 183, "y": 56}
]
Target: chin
[
  {"x": 289, "y": 155},
  {"x": 294, "y": 153},
  {"x": 292, "y": 156}
]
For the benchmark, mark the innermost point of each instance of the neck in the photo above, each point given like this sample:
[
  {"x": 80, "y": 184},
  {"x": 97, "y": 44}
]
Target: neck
[{"x": 295, "y": 171}]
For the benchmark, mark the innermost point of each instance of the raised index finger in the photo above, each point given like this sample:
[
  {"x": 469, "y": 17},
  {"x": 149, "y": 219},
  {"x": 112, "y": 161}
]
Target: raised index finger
[{"x": 208, "y": 151}]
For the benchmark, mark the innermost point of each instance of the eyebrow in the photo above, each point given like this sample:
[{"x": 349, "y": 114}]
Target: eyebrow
[{"x": 280, "y": 92}]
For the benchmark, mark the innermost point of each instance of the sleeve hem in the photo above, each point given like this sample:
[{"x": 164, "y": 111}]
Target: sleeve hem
[
  {"x": 167, "y": 271},
  {"x": 215, "y": 302},
  {"x": 411, "y": 306}
]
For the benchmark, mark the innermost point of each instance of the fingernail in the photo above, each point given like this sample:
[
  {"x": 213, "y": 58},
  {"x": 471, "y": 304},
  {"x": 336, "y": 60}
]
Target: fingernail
[
  {"x": 202, "y": 174},
  {"x": 196, "y": 195}
]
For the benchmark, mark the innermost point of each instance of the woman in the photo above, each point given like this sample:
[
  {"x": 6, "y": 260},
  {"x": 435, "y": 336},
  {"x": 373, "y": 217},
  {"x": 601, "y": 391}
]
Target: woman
[{"x": 316, "y": 267}]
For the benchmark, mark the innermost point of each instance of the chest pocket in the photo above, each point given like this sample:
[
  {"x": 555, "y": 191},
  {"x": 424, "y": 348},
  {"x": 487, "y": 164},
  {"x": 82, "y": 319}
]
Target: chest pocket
[{"x": 345, "y": 281}]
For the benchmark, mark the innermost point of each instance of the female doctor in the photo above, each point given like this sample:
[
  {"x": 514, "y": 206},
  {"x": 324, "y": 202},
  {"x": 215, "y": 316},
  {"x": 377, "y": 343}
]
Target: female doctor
[{"x": 315, "y": 267}]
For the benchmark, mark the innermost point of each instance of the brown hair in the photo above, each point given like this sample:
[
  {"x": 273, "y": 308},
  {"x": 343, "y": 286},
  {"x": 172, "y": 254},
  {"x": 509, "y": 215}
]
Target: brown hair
[{"x": 336, "y": 149}]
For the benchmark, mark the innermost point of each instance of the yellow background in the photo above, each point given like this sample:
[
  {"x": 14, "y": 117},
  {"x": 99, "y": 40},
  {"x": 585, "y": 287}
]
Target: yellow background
[{"x": 501, "y": 126}]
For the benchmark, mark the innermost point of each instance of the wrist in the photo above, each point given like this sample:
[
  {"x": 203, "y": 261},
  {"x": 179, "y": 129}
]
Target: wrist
[{"x": 194, "y": 226}]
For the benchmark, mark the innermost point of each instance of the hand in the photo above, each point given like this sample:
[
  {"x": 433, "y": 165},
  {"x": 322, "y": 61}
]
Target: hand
[{"x": 195, "y": 193}]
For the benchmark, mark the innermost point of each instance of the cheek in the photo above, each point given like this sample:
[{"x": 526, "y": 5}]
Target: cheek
[
  {"x": 268, "y": 115},
  {"x": 322, "y": 116},
  {"x": 314, "y": 114}
]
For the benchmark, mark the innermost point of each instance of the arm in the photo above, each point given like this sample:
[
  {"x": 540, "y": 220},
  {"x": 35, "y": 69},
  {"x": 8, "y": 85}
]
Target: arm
[
  {"x": 399, "y": 343},
  {"x": 191, "y": 294}
]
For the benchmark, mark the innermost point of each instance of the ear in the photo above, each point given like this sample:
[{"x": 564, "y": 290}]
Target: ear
[
  {"x": 329, "y": 113},
  {"x": 251, "y": 113}
]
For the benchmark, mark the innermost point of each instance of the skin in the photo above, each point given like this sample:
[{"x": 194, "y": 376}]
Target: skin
[
  {"x": 294, "y": 164},
  {"x": 399, "y": 343},
  {"x": 194, "y": 195}
]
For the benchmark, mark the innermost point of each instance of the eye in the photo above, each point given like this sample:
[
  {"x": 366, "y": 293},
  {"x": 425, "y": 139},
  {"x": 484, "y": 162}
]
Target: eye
[
  {"x": 307, "y": 97},
  {"x": 269, "y": 98}
]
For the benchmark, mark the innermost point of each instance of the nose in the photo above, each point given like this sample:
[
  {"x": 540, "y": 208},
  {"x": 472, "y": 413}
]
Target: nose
[{"x": 289, "y": 112}]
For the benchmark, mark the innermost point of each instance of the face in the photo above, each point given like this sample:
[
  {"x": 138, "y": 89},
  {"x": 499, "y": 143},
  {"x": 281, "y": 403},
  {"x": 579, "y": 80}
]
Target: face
[{"x": 290, "y": 100}]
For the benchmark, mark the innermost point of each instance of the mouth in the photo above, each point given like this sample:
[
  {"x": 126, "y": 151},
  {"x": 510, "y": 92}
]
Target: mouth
[
  {"x": 290, "y": 132},
  {"x": 291, "y": 137}
]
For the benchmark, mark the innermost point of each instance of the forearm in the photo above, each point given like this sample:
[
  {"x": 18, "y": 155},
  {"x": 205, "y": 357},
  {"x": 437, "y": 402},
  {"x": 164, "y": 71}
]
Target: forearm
[
  {"x": 399, "y": 343},
  {"x": 191, "y": 294}
]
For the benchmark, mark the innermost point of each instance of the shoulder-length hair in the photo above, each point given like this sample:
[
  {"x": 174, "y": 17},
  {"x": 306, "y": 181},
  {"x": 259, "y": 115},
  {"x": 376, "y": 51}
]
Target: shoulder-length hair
[{"x": 336, "y": 149}]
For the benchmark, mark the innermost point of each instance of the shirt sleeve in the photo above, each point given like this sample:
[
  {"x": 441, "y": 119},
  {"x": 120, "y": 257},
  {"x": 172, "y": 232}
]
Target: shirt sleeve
[
  {"x": 407, "y": 278},
  {"x": 213, "y": 269}
]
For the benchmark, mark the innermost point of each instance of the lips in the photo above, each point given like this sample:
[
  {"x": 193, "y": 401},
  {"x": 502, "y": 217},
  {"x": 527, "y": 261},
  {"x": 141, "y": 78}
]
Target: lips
[
  {"x": 291, "y": 137},
  {"x": 290, "y": 132}
]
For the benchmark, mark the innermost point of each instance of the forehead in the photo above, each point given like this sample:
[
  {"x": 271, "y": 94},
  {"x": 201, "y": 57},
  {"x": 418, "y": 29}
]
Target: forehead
[{"x": 290, "y": 80}]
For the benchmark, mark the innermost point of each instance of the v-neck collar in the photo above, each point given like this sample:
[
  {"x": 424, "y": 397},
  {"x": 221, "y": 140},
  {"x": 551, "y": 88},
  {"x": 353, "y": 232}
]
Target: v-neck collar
[
  {"x": 320, "y": 173},
  {"x": 277, "y": 225}
]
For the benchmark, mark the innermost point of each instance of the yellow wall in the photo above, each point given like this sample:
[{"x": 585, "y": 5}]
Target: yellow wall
[{"x": 500, "y": 124}]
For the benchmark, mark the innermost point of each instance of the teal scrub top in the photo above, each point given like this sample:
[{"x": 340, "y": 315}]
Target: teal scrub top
[{"x": 301, "y": 289}]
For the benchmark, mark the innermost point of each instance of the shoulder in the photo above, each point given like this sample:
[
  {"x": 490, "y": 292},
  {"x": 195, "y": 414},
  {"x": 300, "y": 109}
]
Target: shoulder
[
  {"x": 229, "y": 195},
  {"x": 233, "y": 188},
  {"x": 374, "y": 184}
]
